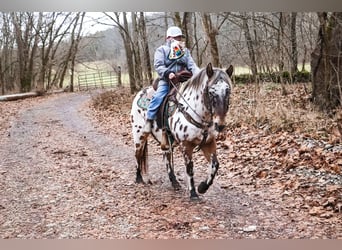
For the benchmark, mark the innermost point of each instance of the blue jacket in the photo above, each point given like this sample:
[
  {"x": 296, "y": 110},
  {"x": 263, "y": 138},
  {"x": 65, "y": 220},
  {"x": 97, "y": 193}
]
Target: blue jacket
[{"x": 162, "y": 62}]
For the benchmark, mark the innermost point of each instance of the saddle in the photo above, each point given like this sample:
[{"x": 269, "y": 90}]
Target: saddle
[
  {"x": 165, "y": 109},
  {"x": 170, "y": 99},
  {"x": 168, "y": 106}
]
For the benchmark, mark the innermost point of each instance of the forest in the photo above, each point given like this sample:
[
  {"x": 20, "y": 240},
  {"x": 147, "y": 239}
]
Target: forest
[
  {"x": 68, "y": 168},
  {"x": 43, "y": 50}
]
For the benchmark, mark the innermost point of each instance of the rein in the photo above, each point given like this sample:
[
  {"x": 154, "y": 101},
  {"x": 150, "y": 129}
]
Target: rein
[
  {"x": 204, "y": 125},
  {"x": 189, "y": 117}
]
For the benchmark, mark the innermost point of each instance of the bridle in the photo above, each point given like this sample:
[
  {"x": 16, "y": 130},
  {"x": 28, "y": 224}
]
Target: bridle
[{"x": 203, "y": 125}]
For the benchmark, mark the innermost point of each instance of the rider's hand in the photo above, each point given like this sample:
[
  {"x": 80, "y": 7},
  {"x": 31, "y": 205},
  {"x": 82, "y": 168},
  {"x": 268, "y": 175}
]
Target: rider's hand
[{"x": 172, "y": 75}]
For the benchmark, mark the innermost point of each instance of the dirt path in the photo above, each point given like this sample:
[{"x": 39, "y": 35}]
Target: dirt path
[{"x": 62, "y": 176}]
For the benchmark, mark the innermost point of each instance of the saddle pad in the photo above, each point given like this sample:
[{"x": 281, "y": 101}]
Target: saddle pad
[{"x": 145, "y": 100}]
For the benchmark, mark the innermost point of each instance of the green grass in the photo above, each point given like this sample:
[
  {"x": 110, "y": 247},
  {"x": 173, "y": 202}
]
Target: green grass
[
  {"x": 103, "y": 66},
  {"x": 240, "y": 70}
]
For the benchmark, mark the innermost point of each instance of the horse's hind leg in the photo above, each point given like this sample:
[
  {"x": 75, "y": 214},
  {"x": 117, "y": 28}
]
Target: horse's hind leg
[
  {"x": 142, "y": 161},
  {"x": 168, "y": 155}
]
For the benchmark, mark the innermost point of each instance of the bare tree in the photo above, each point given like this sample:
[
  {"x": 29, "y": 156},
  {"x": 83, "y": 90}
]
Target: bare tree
[
  {"x": 177, "y": 19},
  {"x": 211, "y": 33},
  {"x": 138, "y": 74},
  {"x": 326, "y": 62},
  {"x": 294, "y": 49},
  {"x": 75, "y": 36},
  {"x": 127, "y": 40},
  {"x": 34, "y": 48},
  {"x": 196, "y": 47},
  {"x": 145, "y": 47},
  {"x": 38, "y": 50},
  {"x": 56, "y": 26},
  {"x": 75, "y": 41},
  {"x": 7, "y": 79},
  {"x": 27, "y": 39},
  {"x": 308, "y": 28},
  {"x": 251, "y": 50},
  {"x": 188, "y": 30}
]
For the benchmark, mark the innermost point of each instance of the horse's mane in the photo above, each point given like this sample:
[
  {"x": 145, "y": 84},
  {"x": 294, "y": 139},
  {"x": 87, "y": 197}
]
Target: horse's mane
[{"x": 197, "y": 80}]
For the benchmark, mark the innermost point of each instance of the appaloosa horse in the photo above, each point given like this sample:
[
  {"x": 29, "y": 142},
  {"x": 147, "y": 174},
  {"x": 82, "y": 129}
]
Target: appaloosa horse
[{"x": 197, "y": 118}]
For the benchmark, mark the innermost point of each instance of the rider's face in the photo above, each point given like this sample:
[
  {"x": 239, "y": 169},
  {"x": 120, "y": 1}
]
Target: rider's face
[{"x": 178, "y": 38}]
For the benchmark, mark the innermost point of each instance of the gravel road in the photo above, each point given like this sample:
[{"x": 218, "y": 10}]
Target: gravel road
[{"x": 63, "y": 177}]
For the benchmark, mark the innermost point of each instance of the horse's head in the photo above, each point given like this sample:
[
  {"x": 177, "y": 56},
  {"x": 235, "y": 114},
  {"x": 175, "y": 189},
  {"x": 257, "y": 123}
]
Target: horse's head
[{"x": 218, "y": 93}]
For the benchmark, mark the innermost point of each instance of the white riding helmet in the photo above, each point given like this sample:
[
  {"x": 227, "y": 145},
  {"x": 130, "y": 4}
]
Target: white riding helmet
[{"x": 173, "y": 31}]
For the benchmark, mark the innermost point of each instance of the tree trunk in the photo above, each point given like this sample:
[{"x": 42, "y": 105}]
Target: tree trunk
[
  {"x": 187, "y": 27},
  {"x": 281, "y": 51},
  {"x": 40, "y": 85},
  {"x": 196, "y": 45},
  {"x": 127, "y": 41},
  {"x": 136, "y": 52},
  {"x": 251, "y": 51},
  {"x": 146, "y": 54},
  {"x": 326, "y": 63},
  {"x": 5, "y": 52},
  {"x": 22, "y": 39},
  {"x": 129, "y": 53},
  {"x": 294, "y": 51},
  {"x": 75, "y": 48},
  {"x": 177, "y": 20},
  {"x": 2, "y": 81},
  {"x": 211, "y": 34},
  {"x": 51, "y": 37}
]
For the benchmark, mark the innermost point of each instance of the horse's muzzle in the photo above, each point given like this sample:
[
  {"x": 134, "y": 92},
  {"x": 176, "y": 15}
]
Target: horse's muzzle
[{"x": 219, "y": 128}]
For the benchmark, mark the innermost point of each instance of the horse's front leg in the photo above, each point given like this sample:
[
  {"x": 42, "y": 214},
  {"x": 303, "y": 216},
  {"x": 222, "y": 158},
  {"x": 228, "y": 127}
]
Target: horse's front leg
[
  {"x": 191, "y": 182},
  {"x": 189, "y": 164},
  {"x": 210, "y": 154},
  {"x": 168, "y": 156}
]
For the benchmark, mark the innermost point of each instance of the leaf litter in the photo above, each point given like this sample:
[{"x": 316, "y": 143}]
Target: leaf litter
[{"x": 274, "y": 181}]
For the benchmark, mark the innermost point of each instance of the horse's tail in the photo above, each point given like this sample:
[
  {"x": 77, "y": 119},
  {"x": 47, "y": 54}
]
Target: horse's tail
[{"x": 143, "y": 160}]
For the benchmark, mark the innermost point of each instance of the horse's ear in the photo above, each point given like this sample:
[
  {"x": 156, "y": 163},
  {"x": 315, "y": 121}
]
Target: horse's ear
[
  {"x": 210, "y": 71},
  {"x": 230, "y": 70}
]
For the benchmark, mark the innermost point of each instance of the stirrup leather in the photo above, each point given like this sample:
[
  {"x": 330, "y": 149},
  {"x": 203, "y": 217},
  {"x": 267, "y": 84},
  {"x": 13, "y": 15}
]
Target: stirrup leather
[
  {"x": 148, "y": 127},
  {"x": 164, "y": 144}
]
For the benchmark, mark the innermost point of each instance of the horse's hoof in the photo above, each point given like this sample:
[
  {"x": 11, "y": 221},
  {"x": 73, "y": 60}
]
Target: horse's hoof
[
  {"x": 194, "y": 196},
  {"x": 139, "y": 180},
  {"x": 176, "y": 186},
  {"x": 202, "y": 187}
]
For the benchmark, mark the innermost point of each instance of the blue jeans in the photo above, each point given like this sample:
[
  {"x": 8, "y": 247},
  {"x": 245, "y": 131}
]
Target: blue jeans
[{"x": 157, "y": 99}]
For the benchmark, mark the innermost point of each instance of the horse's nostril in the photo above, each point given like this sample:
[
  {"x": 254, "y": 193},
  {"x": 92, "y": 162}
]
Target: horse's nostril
[{"x": 218, "y": 127}]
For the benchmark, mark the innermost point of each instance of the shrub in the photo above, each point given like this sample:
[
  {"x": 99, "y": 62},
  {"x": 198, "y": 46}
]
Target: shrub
[
  {"x": 243, "y": 78},
  {"x": 302, "y": 76},
  {"x": 299, "y": 76}
]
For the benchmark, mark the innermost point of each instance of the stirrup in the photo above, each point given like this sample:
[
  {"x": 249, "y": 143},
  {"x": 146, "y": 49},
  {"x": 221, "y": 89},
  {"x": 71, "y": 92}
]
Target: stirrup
[{"x": 164, "y": 144}]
